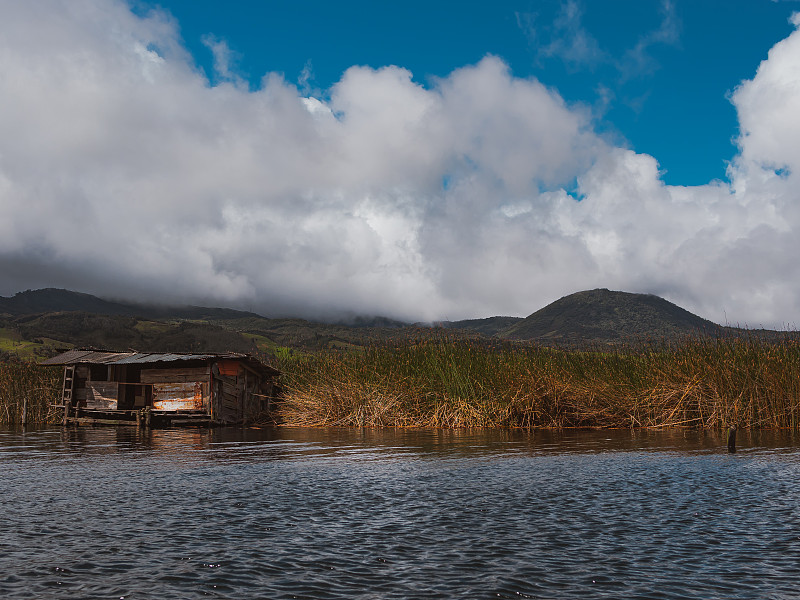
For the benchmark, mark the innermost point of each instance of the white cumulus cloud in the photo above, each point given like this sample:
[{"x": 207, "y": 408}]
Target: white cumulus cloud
[{"x": 125, "y": 172}]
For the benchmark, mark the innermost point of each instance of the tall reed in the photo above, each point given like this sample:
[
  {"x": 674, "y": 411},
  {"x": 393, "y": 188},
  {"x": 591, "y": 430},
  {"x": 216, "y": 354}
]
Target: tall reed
[
  {"x": 30, "y": 386},
  {"x": 442, "y": 380}
]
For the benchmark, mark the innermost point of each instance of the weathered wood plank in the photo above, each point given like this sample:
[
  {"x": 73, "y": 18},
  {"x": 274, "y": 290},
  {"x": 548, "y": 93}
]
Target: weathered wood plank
[
  {"x": 228, "y": 367},
  {"x": 178, "y": 396},
  {"x": 184, "y": 375},
  {"x": 102, "y": 394},
  {"x": 92, "y": 421}
]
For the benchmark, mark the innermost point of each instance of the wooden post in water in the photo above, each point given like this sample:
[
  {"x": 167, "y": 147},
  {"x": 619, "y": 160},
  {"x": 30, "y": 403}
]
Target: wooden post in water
[
  {"x": 147, "y": 417},
  {"x": 732, "y": 439},
  {"x": 24, "y": 411}
]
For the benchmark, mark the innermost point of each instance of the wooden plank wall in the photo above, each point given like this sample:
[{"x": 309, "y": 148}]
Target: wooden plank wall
[
  {"x": 237, "y": 397},
  {"x": 185, "y": 375},
  {"x": 254, "y": 403},
  {"x": 179, "y": 396},
  {"x": 181, "y": 388},
  {"x": 229, "y": 399}
]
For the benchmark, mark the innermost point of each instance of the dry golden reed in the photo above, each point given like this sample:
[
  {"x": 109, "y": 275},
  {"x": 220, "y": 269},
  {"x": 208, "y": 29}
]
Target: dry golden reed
[
  {"x": 441, "y": 380},
  {"x": 27, "y": 385}
]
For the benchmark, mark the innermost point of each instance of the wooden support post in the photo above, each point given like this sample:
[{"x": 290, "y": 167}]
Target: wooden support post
[
  {"x": 147, "y": 417},
  {"x": 66, "y": 413},
  {"x": 24, "y": 411},
  {"x": 732, "y": 439}
]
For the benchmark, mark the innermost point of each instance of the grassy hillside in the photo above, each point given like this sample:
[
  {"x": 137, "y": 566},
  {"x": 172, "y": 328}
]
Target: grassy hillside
[
  {"x": 51, "y": 300},
  {"x": 603, "y": 316},
  {"x": 12, "y": 343},
  {"x": 39, "y": 335},
  {"x": 54, "y": 300},
  {"x": 36, "y": 323},
  {"x": 490, "y": 326}
]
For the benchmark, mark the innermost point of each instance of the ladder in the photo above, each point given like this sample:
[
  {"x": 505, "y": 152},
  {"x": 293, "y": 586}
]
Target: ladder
[{"x": 69, "y": 385}]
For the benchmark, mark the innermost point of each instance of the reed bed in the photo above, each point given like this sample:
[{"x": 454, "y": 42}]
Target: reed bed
[
  {"x": 28, "y": 387},
  {"x": 441, "y": 380}
]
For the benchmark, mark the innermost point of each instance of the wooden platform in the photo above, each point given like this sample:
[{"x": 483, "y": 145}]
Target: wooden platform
[{"x": 158, "y": 418}]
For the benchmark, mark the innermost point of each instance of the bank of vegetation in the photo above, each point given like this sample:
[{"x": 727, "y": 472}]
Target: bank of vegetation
[
  {"x": 446, "y": 381},
  {"x": 28, "y": 392}
]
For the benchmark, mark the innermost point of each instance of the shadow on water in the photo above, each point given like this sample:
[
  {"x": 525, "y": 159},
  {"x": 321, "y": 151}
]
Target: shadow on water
[{"x": 291, "y": 443}]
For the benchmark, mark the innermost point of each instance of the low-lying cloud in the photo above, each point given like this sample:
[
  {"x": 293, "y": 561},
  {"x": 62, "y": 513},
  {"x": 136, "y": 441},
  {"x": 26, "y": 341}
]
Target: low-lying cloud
[{"x": 125, "y": 172}]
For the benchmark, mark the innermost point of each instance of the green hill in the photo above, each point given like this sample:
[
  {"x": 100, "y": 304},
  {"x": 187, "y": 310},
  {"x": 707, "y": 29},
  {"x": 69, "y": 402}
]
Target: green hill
[
  {"x": 36, "y": 323},
  {"x": 490, "y": 326},
  {"x": 50, "y": 300},
  {"x": 607, "y": 316},
  {"x": 41, "y": 335}
]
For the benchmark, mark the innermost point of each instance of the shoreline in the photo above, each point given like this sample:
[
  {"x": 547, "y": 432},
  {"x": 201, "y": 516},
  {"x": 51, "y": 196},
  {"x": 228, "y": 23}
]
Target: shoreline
[{"x": 445, "y": 381}]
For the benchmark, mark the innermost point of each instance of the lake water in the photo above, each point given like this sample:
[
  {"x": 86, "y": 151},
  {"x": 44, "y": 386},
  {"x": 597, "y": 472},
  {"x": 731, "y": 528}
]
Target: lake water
[{"x": 373, "y": 514}]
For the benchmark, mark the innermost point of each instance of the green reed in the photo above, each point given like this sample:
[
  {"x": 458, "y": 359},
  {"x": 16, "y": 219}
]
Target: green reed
[
  {"x": 443, "y": 380},
  {"x": 26, "y": 385}
]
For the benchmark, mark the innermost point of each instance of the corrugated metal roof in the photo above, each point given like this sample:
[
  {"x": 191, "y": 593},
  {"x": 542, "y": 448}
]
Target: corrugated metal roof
[
  {"x": 89, "y": 356},
  {"x": 166, "y": 357},
  {"x": 96, "y": 357}
]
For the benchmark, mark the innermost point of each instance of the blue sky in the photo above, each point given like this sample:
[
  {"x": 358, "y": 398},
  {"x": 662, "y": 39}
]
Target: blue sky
[
  {"x": 655, "y": 74},
  {"x": 421, "y": 161}
]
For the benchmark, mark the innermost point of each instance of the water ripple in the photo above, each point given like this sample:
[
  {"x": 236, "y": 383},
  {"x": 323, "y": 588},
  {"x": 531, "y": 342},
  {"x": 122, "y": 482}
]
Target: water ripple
[{"x": 329, "y": 514}]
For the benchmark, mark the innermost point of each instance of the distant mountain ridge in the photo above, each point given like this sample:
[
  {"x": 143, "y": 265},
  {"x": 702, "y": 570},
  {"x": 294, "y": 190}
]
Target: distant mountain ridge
[
  {"x": 36, "y": 322},
  {"x": 50, "y": 300}
]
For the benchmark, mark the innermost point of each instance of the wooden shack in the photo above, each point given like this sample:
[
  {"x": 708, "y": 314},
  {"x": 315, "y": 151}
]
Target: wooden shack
[{"x": 163, "y": 389}]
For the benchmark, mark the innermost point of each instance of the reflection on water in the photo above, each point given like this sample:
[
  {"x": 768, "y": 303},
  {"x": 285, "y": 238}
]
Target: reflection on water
[{"x": 386, "y": 513}]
